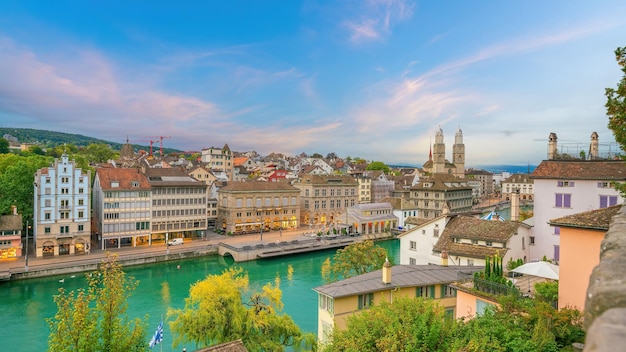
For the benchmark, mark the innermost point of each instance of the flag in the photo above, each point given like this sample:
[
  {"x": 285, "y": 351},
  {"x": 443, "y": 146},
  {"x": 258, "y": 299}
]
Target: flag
[{"x": 158, "y": 335}]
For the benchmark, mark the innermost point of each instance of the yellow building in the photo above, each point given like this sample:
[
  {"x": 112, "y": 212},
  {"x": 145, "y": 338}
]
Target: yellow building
[
  {"x": 324, "y": 199},
  {"x": 339, "y": 300}
]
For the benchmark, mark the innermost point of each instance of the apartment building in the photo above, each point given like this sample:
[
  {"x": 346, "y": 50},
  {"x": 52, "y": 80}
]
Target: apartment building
[
  {"x": 432, "y": 193},
  {"x": 245, "y": 207},
  {"x": 219, "y": 159},
  {"x": 122, "y": 205},
  {"x": 324, "y": 199},
  {"x": 62, "y": 221},
  {"x": 179, "y": 204},
  {"x": 518, "y": 183}
]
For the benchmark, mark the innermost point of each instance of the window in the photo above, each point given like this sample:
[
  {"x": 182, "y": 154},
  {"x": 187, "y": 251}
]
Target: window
[
  {"x": 81, "y": 214},
  {"x": 326, "y": 303},
  {"x": 557, "y": 252},
  {"x": 81, "y": 228},
  {"x": 81, "y": 190},
  {"x": 565, "y": 183},
  {"x": 48, "y": 203},
  {"x": 366, "y": 300},
  {"x": 65, "y": 190},
  {"x": 608, "y": 201},
  {"x": 81, "y": 202},
  {"x": 412, "y": 245},
  {"x": 557, "y": 230},
  {"x": 412, "y": 261},
  {"x": 46, "y": 229},
  {"x": 65, "y": 179},
  {"x": 425, "y": 291},
  {"x": 474, "y": 241},
  {"x": 489, "y": 243},
  {"x": 531, "y": 240},
  {"x": 448, "y": 291},
  {"x": 132, "y": 184},
  {"x": 563, "y": 200},
  {"x": 603, "y": 184},
  {"x": 46, "y": 215},
  {"x": 470, "y": 262}
]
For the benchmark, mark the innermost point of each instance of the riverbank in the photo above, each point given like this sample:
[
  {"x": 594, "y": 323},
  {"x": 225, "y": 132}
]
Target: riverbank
[{"x": 16, "y": 269}]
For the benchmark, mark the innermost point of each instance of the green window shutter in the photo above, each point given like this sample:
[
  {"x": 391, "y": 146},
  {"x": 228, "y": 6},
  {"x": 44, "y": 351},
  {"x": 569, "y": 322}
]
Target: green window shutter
[
  {"x": 432, "y": 291},
  {"x": 360, "y": 299},
  {"x": 443, "y": 290},
  {"x": 370, "y": 301}
]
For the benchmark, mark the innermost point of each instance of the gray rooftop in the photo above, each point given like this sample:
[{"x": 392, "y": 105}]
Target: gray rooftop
[{"x": 401, "y": 276}]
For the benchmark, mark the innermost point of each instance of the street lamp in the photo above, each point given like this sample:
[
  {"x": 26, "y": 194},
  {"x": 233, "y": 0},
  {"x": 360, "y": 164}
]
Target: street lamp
[{"x": 26, "y": 256}]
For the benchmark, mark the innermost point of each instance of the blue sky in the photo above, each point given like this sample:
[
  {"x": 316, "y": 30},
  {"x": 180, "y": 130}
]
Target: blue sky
[{"x": 366, "y": 78}]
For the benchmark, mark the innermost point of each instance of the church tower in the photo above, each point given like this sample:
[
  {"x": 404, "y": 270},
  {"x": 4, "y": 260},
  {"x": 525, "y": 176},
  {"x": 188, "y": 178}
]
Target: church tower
[
  {"x": 593, "y": 147},
  {"x": 439, "y": 153},
  {"x": 458, "y": 154}
]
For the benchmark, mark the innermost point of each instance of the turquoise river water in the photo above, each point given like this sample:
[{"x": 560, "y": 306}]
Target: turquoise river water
[{"x": 25, "y": 304}]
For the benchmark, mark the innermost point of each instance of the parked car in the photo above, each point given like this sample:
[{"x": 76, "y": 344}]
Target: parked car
[{"x": 175, "y": 242}]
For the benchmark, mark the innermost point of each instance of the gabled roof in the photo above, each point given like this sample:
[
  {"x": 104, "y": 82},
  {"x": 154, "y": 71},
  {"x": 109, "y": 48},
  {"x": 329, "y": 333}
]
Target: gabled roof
[
  {"x": 123, "y": 177},
  {"x": 233, "y": 346},
  {"x": 401, "y": 276},
  {"x": 581, "y": 170},
  {"x": 171, "y": 177},
  {"x": 398, "y": 203},
  {"x": 466, "y": 227},
  {"x": 598, "y": 219},
  {"x": 11, "y": 222},
  {"x": 518, "y": 178},
  {"x": 442, "y": 182}
]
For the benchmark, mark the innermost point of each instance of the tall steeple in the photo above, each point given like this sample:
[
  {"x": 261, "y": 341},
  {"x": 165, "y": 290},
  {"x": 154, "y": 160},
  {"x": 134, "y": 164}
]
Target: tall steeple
[
  {"x": 458, "y": 154},
  {"x": 439, "y": 153}
]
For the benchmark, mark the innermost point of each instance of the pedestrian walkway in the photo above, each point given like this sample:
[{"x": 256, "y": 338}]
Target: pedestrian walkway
[{"x": 18, "y": 265}]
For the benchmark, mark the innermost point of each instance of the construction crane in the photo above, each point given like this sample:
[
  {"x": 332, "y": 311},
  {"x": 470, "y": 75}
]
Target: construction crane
[{"x": 161, "y": 138}]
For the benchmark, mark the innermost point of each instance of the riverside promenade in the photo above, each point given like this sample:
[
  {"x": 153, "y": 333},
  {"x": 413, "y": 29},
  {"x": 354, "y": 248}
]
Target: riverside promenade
[{"x": 15, "y": 268}]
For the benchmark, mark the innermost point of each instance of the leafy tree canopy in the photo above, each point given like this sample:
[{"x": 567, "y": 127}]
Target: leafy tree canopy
[
  {"x": 616, "y": 108},
  {"x": 378, "y": 165},
  {"x": 17, "y": 174},
  {"x": 355, "y": 259},
  {"x": 4, "y": 146},
  {"x": 94, "y": 319},
  {"x": 331, "y": 156},
  {"x": 317, "y": 156},
  {"x": 220, "y": 308}
]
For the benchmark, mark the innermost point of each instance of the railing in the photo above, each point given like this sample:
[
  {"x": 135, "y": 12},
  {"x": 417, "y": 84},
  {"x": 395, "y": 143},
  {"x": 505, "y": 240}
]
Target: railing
[{"x": 494, "y": 288}]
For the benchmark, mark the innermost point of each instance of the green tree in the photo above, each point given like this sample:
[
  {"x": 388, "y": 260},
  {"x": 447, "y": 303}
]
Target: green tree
[
  {"x": 317, "y": 156},
  {"x": 17, "y": 174},
  {"x": 616, "y": 108},
  {"x": 220, "y": 309},
  {"x": 93, "y": 319},
  {"x": 4, "y": 146},
  {"x": 98, "y": 152},
  {"x": 378, "y": 165},
  {"x": 355, "y": 259},
  {"x": 407, "y": 324}
]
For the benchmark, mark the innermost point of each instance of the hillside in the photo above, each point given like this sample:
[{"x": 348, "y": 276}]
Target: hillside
[{"x": 45, "y": 139}]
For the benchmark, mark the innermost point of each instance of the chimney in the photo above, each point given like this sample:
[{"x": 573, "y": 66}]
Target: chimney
[
  {"x": 387, "y": 272},
  {"x": 515, "y": 206},
  {"x": 14, "y": 209},
  {"x": 552, "y": 146},
  {"x": 444, "y": 258}
]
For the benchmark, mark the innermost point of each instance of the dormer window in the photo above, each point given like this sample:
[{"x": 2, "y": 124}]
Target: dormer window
[
  {"x": 134, "y": 183},
  {"x": 115, "y": 184}
]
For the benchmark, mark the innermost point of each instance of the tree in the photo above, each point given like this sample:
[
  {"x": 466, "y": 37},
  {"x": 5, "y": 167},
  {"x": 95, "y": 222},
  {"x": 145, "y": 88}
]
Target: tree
[
  {"x": 220, "y": 309},
  {"x": 94, "y": 319},
  {"x": 616, "y": 108},
  {"x": 99, "y": 152},
  {"x": 317, "y": 156},
  {"x": 4, "y": 146},
  {"x": 406, "y": 324},
  {"x": 17, "y": 174},
  {"x": 331, "y": 155},
  {"x": 355, "y": 259},
  {"x": 378, "y": 165}
]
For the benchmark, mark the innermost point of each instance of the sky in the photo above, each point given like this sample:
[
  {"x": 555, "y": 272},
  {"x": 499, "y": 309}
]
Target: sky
[{"x": 373, "y": 79}]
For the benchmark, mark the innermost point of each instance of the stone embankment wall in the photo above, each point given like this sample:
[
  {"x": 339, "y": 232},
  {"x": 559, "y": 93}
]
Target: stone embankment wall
[{"x": 605, "y": 306}]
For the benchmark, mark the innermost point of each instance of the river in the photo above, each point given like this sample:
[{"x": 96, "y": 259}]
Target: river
[{"x": 25, "y": 304}]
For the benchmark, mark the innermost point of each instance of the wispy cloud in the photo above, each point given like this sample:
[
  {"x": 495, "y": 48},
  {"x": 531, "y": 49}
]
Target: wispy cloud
[{"x": 376, "y": 19}]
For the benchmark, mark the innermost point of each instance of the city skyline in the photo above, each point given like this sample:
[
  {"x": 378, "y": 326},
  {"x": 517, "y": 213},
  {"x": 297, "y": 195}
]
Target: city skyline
[{"x": 371, "y": 79}]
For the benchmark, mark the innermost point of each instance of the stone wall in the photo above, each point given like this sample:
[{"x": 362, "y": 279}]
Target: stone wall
[{"x": 605, "y": 306}]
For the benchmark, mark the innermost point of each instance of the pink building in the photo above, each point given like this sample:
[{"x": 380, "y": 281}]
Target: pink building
[
  {"x": 581, "y": 234},
  {"x": 11, "y": 235}
]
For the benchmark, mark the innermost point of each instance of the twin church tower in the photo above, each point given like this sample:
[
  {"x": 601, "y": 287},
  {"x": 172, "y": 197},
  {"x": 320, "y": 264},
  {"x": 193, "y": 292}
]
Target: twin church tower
[{"x": 437, "y": 163}]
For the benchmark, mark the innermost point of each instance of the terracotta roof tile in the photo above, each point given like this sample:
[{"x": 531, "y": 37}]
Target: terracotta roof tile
[
  {"x": 124, "y": 177},
  {"x": 239, "y": 186},
  {"x": 599, "y": 219},
  {"x": 581, "y": 170}
]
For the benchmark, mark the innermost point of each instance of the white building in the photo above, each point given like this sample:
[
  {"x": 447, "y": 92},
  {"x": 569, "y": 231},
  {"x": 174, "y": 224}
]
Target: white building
[
  {"x": 61, "y": 209},
  {"x": 416, "y": 244},
  {"x": 565, "y": 187},
  {"x": 121, "y": 208}
]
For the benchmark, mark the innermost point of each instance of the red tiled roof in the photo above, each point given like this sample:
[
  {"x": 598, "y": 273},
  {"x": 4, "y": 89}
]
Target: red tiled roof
[
  {"x": 123, "y": 176},
  {"x": 581, "y": 170},
  {"x": 599, "y": 219}
]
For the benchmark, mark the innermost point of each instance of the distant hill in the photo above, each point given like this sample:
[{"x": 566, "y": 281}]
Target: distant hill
[
  {"x": 45, "y": 139},
  {"x": 513, "y": 169}
]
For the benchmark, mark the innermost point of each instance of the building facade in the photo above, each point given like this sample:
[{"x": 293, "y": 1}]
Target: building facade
[
  {"x": 219, "y": 160},
  {"x": 179, "y": 204},
  {"x": 432, "y": 194},
  {"x": 565, "y": 187},
  {"x": 371, "y": 218},
  {"x": 246, "y": 207},
  {"x": 62, "y": 219},
  {"x": 324, "y": 199},
  {"x": 11, "y": 235},
  {"x": 518, "y": 183},
  {"x": 122, "y": 208}
]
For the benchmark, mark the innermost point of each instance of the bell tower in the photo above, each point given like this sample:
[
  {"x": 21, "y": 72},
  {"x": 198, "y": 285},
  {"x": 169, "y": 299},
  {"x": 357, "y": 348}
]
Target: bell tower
[
  {"x": 458, "y": 154},
  {"x": 439, "y": 153}
]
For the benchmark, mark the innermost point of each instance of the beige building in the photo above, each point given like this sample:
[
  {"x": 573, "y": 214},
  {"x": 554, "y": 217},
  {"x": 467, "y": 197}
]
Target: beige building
[
  {"x": 219, "y": 159},
  {"x": 324, "y": 199},
  {"x": 340, "y": 300},
  {"x": 122, "y": 207},
  {"x": 372, "y": 218},
  {"x": 202, "y": 174},
  {"x": 245, "y": 207},
  {"x": 62, "y": 209},
  {"x": 432, "y": 194},
  {"x": 520, "y": 183},
  {"x": 179, "y": 204}
]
